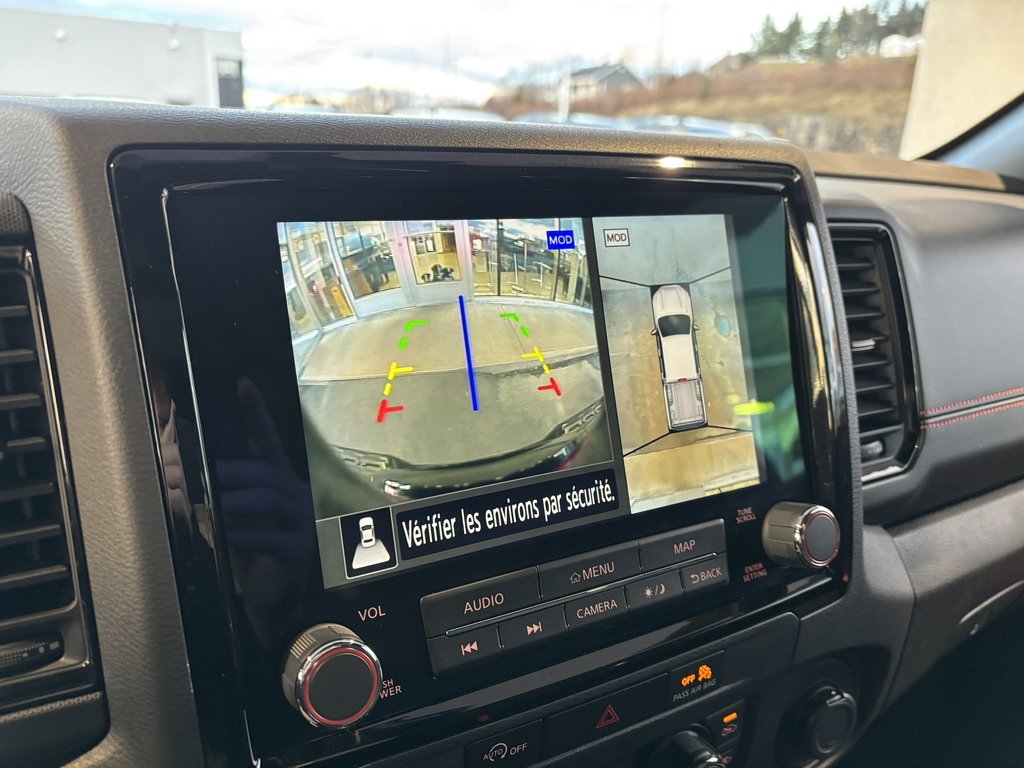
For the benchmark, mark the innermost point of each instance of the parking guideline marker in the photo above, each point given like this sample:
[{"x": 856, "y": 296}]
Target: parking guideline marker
[{"x": 470, "y": 370}]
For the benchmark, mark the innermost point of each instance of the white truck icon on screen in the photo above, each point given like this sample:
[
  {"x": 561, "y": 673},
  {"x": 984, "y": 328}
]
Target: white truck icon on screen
[{"x": 677, "y": 351}]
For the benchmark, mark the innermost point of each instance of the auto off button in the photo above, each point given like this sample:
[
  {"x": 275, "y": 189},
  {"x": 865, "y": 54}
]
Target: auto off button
[
  {"x": 482, "y": 600},
  {"x": 509, "y": 749},
  {"x": 591, "y": 569}
]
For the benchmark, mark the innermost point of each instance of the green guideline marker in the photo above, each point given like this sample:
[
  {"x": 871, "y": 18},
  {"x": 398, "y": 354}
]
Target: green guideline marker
[
  {"x": 515, "y": 319},
  {"x": 409, "y": 328}
]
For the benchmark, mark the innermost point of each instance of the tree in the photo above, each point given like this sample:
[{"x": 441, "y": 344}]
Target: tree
[
  {"x": 766, "y": 41},
  {"x": 792, "y": 36}
]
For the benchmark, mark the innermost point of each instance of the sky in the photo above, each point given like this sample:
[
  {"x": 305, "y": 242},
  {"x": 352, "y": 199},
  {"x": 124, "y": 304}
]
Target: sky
[{"x": 453, "y": 47}]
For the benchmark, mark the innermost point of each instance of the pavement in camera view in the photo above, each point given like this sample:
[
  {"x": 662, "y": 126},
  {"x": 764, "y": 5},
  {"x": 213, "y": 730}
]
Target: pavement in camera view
[{"x": 536, "y": 366}]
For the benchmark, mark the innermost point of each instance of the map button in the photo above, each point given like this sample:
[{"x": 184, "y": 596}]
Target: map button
[{"x": 682, "y": 545}]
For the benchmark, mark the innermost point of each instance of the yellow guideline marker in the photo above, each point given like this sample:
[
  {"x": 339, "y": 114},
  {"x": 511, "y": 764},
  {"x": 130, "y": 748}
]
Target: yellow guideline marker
[
  {"x": 753, "y": 408},
  {"x": 387, "y": 389},
  {"x": 547, "y": 369},
  {"x": 535, "y": 354},
  {"x": 395, "y": 369}
]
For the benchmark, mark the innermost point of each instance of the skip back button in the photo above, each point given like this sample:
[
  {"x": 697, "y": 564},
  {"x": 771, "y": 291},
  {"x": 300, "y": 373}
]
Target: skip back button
[{"x": 450, "y": 653}]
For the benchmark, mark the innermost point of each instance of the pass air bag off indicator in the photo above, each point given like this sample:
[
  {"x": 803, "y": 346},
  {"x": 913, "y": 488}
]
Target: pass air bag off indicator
[{"x": 695, "y": 679}]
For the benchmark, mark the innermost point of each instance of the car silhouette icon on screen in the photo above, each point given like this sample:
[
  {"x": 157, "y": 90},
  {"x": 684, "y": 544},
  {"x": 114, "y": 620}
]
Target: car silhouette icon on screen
[
  {"x": 677, "y": 352},
  {"x": 367, "y": 535}
]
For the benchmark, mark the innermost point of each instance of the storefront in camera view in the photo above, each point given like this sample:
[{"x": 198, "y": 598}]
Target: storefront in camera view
[{"x": 335, "y": 272}]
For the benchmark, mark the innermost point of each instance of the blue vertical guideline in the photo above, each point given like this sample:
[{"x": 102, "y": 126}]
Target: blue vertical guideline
[{"x": 470, "y": 370}]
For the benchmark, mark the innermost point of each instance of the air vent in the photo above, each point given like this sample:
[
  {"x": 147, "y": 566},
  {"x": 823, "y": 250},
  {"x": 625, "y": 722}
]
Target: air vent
[
  {"x": 35, "y": 567},
  {"x": 880, "y": 338}
]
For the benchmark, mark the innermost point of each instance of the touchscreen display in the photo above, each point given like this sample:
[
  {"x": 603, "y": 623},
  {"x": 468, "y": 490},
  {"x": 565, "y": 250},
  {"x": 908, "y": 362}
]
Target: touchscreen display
[{"x": 456, "y": 377}]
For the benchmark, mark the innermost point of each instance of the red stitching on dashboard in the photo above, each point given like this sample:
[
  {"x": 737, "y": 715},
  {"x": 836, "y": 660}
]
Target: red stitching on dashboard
[
  {"x": 973, "y": 400},
  {"x": 965, "y": 417}
]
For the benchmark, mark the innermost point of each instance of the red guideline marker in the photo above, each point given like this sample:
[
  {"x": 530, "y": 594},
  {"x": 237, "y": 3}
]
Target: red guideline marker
[
  {"x": 385, "y": 409},
  {"x": 553, "y": 386}
]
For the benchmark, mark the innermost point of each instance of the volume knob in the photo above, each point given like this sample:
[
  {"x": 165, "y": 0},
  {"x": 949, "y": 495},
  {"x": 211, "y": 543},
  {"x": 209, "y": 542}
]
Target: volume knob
[
  {"x": 800, "y": 535},
  {"x": 331, "y": 676}
]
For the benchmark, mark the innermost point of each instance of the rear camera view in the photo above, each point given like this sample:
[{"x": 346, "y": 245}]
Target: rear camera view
[
  {"x": 677, "y": 357},
  {"x": 437, "y": 356}
]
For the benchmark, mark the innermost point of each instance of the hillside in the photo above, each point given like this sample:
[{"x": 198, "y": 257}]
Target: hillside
[{"x": 854, "y": 105}]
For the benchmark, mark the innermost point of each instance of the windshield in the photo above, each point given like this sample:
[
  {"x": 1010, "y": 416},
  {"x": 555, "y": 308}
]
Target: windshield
[
  {"x": 867, "y": 78},
  {"x": 674, "y": 325}
]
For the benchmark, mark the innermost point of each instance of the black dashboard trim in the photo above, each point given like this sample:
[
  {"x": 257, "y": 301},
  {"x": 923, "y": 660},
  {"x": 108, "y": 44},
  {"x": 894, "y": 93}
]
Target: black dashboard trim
[{"x": 222, "y": 712}]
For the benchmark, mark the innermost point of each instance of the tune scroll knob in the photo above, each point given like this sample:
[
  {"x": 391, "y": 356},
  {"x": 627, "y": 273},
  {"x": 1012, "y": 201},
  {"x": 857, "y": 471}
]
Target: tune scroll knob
[
  {"x": 331, "y": 676},
  {"x": 800, "y": 535}
]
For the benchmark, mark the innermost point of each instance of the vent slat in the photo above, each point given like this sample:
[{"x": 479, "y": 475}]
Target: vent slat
[
  {"x": 859, "y": 289},
  {"x": 863, "y": 315},
  {"x": 876, "y": 322},
  {"x": 866, "y": 385},
  {"x": 35, "y": 559},
  {"x": 18, "y": 492},
  {"x": 28, "y": 444},
  {"x": 10, "y": 311},
  {"x": 20, "y": 401},
  {"x": 865, "y": 361},
  {"x": 34, "y": 577},
  {"x": 879, "y": 432},
  {"x": 16, "y": 356},
  {"x": 23, "y": 535},
  {"x": 854, "y": 265}
]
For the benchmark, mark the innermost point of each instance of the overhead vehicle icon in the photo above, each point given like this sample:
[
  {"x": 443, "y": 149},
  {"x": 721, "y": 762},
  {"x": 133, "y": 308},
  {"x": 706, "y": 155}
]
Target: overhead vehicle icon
[
  {"x": 371, "y": 550},
  {"x": 677, "y": 351}
]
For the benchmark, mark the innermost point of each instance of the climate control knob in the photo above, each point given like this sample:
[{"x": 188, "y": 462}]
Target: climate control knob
[
  {"x": 331, "y": 676},
  {"x": 800, "y": 535}
]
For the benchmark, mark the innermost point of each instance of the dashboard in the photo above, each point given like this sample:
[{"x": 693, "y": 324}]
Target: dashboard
[{"x": 364, "y": 441}]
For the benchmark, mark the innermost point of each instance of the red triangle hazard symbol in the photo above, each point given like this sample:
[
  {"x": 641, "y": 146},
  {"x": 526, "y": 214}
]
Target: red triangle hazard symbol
[{"x": 609, "y": 717}]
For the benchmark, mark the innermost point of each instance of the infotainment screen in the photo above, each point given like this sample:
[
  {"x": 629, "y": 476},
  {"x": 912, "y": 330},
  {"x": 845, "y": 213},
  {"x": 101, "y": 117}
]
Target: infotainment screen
[{"x": 456, "y": 377}]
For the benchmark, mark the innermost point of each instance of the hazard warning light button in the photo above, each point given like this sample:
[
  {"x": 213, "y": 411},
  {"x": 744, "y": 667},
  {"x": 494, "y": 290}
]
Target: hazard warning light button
[{"x": 601, "y": 717}]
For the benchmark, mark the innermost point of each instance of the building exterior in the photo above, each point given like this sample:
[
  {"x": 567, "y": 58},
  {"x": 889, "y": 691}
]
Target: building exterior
[
  {"x": 50, "y": 54},
  {"x": 596, "y": 81},
  {"x": 336, "y": 272},
  {"x": 900, "y": 46}
]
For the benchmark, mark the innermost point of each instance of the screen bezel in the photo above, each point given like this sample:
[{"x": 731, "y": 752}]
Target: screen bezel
[{"x": 294, "y": 178}]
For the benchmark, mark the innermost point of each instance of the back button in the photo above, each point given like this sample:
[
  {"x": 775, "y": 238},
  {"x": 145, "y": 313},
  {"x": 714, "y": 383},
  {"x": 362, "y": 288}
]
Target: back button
[{"x": 520, "y": 746}]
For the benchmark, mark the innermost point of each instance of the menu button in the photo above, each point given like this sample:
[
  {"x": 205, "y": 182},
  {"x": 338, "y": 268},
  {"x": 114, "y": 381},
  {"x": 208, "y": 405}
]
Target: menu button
[{"x": 592, "y": 569}]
